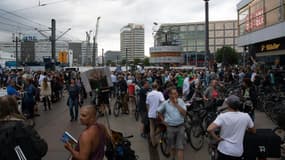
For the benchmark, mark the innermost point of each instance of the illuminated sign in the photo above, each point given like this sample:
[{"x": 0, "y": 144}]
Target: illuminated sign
[{"x": 270, "y": 47}]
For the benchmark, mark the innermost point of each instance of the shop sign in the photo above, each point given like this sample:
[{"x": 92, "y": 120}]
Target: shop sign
[{"x": 270, "y": 47}]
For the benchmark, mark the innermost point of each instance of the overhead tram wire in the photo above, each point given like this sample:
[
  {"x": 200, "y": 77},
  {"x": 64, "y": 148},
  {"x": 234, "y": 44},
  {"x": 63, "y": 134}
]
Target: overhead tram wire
[
  {"x": 23, "y": 25},
  {"x": 29, "y": 20}
]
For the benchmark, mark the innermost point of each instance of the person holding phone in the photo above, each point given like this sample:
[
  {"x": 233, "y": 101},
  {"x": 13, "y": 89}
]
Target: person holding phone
[
  {"x": 92, "y": 140},
  {"x": 172, "y": 113}
]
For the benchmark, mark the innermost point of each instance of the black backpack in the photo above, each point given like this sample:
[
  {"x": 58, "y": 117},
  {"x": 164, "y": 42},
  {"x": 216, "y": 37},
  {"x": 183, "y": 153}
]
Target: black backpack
[{"x": 17, "y": 133}]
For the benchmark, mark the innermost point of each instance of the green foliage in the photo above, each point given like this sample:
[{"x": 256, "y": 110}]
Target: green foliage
[
  {"x": 146, "y": 61},
  {"x": 137, "y": 61},
  {"x": 123, "y": 62},
  {"x": 227, "y": 56}
]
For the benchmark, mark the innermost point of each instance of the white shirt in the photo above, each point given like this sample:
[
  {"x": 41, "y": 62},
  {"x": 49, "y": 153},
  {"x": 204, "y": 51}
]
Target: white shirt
[
  {"x": 233, "y": 126},
  {"x": 186, "y": 86},
  {"x": 113, "y": 78},
  {"x": 153, "y": 99},
  {"x": 253, "y": 77},
  {"x": 42, "y": 77}
]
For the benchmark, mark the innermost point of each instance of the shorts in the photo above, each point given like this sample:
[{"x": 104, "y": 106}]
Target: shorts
[{"x": 176, "y": 136}]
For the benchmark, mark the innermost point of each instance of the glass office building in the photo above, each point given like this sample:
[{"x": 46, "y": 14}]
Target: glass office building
[{"x": 191, "y": 38}]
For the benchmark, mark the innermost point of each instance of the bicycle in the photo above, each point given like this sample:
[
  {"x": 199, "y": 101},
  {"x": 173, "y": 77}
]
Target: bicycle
[
  {"x": 163, "y": 140},
  {"x": 118, "y": 106}
]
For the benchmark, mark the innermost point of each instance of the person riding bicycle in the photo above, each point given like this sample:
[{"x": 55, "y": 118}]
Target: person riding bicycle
[{"x": 233, "y": 125}]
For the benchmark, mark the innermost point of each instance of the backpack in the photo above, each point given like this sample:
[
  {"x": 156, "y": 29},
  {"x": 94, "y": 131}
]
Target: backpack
[{"x": 17, "y": 133}]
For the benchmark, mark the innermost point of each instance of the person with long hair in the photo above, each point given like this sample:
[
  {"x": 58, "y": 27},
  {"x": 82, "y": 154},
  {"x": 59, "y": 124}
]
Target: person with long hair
[
  {"x": 16, "y": 133},
  {"x": 46, "y": 93}
]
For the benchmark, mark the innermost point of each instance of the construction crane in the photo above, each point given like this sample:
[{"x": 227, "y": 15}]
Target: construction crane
[{"x": 95, "y": 45}]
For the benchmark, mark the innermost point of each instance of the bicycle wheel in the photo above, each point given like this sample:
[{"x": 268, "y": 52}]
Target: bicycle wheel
[
  {"x": 116, "y": 110},
  {"x": 164, "y": 146},
  {"x": 196, "y": 136}
]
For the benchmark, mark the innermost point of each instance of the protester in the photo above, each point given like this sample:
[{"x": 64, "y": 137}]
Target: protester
[
  {"x": 73, "y": 100},
  {"x": 92, "y": 140}
]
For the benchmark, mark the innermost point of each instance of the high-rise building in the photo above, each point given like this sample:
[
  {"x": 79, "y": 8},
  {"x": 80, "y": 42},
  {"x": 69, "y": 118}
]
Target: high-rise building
[
  {"x": 113, "y": 56},
  {"x": 132, "y": 42},
  {"x": 191, "y": 37}
]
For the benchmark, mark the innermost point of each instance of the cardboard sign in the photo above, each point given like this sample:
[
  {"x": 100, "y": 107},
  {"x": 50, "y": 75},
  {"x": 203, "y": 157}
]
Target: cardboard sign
[{"x": 97, "y": 78}]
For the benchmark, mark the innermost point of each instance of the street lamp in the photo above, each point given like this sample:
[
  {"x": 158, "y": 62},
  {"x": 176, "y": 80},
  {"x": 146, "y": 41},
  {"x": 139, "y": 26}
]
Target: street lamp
[{"x": 207, "y": 30}]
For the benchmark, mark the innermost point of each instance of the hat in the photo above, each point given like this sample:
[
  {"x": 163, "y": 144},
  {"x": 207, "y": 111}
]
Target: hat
[{"x": 233, "y": 102}]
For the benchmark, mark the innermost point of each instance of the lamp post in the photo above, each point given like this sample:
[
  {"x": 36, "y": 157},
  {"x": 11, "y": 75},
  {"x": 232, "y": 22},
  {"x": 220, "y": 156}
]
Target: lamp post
[{"x": 207, "y": 30}]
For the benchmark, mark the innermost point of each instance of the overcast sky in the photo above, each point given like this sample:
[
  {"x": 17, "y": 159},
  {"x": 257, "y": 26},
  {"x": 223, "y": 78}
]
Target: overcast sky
[{"x": 81, "y": 15}]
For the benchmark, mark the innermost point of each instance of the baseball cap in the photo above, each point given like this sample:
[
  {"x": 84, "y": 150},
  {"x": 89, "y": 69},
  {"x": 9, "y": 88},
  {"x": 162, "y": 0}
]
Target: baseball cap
[{"x": 233, "y": 102}]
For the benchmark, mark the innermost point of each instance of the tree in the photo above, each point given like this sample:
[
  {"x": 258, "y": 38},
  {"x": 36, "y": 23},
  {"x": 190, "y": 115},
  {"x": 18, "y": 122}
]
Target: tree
[
  {"x": 137, "y": 61},
  {"x": 109, "y": 62},
  {"x": 146, "y": 61},
  {"x": 227, "y": 56},
  {"x": 123, "y": 62}
]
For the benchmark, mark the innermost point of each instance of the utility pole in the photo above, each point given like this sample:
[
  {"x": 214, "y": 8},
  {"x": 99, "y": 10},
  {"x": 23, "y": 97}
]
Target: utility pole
[
  {"x": 207, "y": 31},
  {"x": 53, "y": 39},
  {"x": 16, "y": 39}
]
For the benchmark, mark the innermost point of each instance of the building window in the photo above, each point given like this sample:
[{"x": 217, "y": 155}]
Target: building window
[
  {"x": 219, "y": 33},
  {"x": 229, "y": 41},
  {"x": 200, "y": 27},
  {"x": 229, "y": 25},
  {"x": 211, "y": 34},
  {"x": 211, "y": 26},
  {"x": 219, "y": 41},
  {"x": 191, "y": 28},
  {"x": 183, "y": 28},
  {"x": 211, "y": 41},
  {"x": 272, "y": 17},
  {"x": 229, "y": 33},
  {"x": 272, "y": 4},
  {"x": 219, "y": 26}
]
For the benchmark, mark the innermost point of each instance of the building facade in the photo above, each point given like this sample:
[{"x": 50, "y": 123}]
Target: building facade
[
  {"x": 132, "y": 42},
  {"x": 191, "y": 38},
  {"x": 10, "y": 47},
  {"x": 261, "y": 26},
  {"x": 76, "y": 48},
  {"x": 112, "y": 56}
]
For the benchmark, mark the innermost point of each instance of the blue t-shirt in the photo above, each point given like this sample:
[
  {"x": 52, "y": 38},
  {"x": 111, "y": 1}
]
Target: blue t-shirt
[
  {"x": 171, "y": 114},
  {"x": 11, "y": 91}
]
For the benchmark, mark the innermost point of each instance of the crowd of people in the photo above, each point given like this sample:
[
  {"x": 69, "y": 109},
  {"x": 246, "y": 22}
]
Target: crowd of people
[{"x": 160, "y": 95}]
